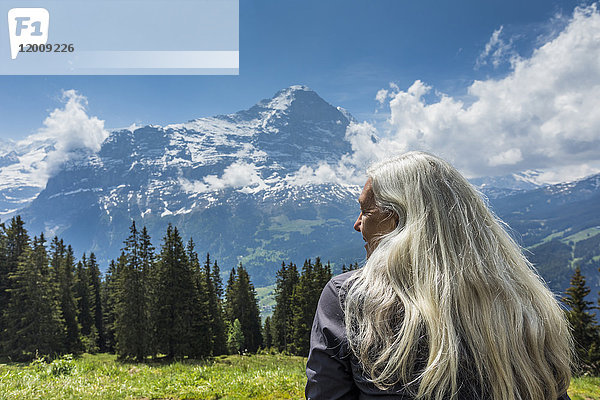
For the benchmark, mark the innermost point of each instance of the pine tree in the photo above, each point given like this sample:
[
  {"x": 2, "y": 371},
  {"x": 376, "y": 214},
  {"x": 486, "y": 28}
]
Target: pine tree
[
  {"x": 231, "y": 291},
  {"x": 302, "y": 311},
  {"x": 63, "y": 261},
  {"x": 267, "y": 333},
  {"x": 201, "y": 325},
  {"x": 82, "y": 291},
  {"x": 215, "y": 309},
  {"x": 96, "y": 301},
  {"x": 17, "y": 240},
  {"x": 352, "y": 267},
  {"x": 149, "y": 283},
  {"x": 243, "y": 305},
  {"x": 131, "y": 308},
  {"x": 217, "y": 282},
  {"x": 304, "y": 302},
  {"x": 282, "y": 321},
  {"x": 109, "y": 300},
  {"x": 57, "y": 254},
  {"x": 13, "y": 242},
  {"x": 322, "y": 275},
  {"x": 585, "y": 329},
  {"x": 3, "y": 271},
  {"x": 3, "y": 280},
  {"x": 177, "y": 297},
  {"x": 33, "y": 315}
]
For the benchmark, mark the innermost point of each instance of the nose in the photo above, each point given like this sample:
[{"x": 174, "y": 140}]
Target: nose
[{"x": 357, "y": 223}]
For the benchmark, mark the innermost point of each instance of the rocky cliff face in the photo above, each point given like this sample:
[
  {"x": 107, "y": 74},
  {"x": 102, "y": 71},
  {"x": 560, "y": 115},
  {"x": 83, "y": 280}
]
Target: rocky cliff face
[{"x": 225, "y": 181}]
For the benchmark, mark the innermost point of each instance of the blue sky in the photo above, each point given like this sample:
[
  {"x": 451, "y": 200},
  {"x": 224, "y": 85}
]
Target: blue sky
[{"x": 347, "y": 51}]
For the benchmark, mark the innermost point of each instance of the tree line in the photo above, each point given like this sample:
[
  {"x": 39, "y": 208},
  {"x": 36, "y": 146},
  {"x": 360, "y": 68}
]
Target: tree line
[
  {"x": 149, "y": 303},
  {"x": 296, "y": 296},
  {"x": 170, "y": 303}
]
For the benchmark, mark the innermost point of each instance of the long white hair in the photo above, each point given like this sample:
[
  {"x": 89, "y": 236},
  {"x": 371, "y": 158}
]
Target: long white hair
[{"x": 448, "y": 299}]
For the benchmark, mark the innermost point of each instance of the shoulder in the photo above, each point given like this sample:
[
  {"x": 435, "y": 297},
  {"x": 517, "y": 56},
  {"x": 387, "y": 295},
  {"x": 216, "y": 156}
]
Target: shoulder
[
  {"x": 339, "y": 280},
  {"x": 328, "y": 367},
  {"x": 329, "y": 316},
  {"x": 333, "y": 291}
]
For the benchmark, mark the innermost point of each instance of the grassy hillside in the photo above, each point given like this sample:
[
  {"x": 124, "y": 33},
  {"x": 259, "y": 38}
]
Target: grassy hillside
[{"x": 101, "y": 377}]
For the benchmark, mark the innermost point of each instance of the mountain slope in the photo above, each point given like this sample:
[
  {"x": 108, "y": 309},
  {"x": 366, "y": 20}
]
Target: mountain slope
[
  {"x": 560, "y": 226},
  {"x": 22, "y": 176},
  {"x": 227, "y": 181},
  {"x": 565, "y": 207},
  {"x": 223, "y": 181}
]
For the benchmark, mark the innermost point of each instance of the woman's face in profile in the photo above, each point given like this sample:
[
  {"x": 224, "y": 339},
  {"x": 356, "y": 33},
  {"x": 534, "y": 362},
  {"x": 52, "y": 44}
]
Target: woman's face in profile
[{"x": 373, "y": 222}]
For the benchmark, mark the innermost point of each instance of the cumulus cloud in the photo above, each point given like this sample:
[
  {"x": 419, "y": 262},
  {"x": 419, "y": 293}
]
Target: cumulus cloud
[
  {"x": 509, "y": 157},
  {"x": 367, "y": 148},
  {"x": 566, "y": 174},
  {"x": 239, "y": 175},
  {"x": 543, "y": 114},
  {"x": 67, "y": 133},
  {"x": 72, "y": 130}
]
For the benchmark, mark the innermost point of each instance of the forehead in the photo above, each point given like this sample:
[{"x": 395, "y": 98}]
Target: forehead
[{"x": 367, "y": 197}]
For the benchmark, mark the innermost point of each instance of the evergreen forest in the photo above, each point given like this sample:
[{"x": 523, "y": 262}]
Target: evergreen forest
[
  {"x": 170, "y": 303},
  {"x": 151, "y": 303}
]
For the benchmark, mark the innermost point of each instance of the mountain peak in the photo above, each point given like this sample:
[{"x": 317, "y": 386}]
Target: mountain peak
[
  {"x": 284, "y": 98},
  {"x": 298, "y": 88}
]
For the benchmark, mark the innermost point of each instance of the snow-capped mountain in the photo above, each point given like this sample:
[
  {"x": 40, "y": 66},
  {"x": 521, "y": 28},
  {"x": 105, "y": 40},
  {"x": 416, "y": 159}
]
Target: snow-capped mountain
[
  {"x": 560, "y": 226},
  {"x": 227, "y": 181},
  {"x": 22, "y": 172},
  {"x": 501, "y": 186},
  {"x": 230, "y": 182},
  {"x": 552, "y": 209}
]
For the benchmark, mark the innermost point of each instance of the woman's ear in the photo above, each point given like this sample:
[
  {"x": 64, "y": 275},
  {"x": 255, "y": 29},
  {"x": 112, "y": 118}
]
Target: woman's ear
[{"x": 394, "y": 215}]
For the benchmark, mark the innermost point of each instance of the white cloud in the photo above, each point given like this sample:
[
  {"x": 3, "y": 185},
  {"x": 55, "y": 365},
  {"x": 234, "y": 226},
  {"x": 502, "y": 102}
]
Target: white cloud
[
  {"x": 567, "y": 173},
  {"x": 342, "y": 173},
  {"x": 72, "y": 131},
  {"x": 68, "y": 133},
  {"x": 509, "y": 157},
  {"x": 239, "y": 175},
  {"x": 193, "y": 186},
  {"x": 382, "y": 95},
  {"x": 496, "y": 51},
  {"x": 543, "y": 114},
  {"x": 366, "y": 149}
]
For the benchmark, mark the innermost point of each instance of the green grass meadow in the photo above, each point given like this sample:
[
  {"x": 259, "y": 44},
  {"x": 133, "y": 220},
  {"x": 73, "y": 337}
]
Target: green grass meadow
[
  {"x": 95, "y": 377},
  {"x": 92, "y": 377}
]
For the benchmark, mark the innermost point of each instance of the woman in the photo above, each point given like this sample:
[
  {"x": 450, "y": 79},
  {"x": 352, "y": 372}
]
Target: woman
[{"x": 446, "y": 306}]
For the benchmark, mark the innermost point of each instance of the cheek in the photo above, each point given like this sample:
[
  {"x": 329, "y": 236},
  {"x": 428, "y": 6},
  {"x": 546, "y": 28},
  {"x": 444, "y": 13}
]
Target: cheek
[
  {"x": 388, "y": 225},
  {"x": 367, "y": 228}
]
